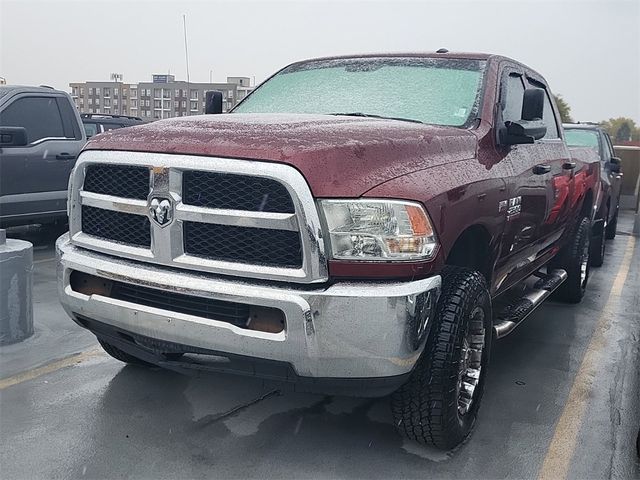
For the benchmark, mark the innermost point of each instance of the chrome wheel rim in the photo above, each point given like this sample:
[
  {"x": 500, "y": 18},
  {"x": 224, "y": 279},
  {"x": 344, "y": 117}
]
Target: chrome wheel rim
[
  {"x": 471, "y": 361},
  {"x": 584, "y": 263}
]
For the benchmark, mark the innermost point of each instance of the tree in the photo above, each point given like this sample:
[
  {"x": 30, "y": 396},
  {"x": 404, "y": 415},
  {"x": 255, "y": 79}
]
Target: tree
[
  {"x": 621, "y": 129},
  {"x": 563, "y": 108}
]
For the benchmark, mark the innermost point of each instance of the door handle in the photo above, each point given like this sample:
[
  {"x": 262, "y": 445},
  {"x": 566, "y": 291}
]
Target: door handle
[
  {"x": 541, "y": 169},
  {"x": 569, "y": 165},
  {"x": 65, "y": 156}
]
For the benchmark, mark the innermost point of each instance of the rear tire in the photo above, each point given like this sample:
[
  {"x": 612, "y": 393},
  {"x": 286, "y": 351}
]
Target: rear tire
[
  {"x": 575, "y": 259},
  {"x": 118, "y": 354},
  {"x": 439, "y": 403}
]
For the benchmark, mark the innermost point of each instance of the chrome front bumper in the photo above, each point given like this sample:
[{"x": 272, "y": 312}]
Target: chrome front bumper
[{"x": 345, "y": 330}]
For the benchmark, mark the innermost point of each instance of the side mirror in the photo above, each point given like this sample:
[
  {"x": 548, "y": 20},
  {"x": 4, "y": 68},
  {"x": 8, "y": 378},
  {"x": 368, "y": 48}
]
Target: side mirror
[
  {"x": 533, "y": 104},
  {"x": 13, "y": 137},
  {"x": 530, "y": 127},
  {"x": 522, "y": 131},
  {"x": 614, "y": 165},
  {"x": 213, "y": 102}
]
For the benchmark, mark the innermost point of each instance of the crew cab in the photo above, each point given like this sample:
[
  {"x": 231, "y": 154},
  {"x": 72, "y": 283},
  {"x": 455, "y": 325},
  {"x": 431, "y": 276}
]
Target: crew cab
[
  {"x": 362, "y": 224},
  {"x": 40, "y": 137},
  {"x": 594, "y": 136}
]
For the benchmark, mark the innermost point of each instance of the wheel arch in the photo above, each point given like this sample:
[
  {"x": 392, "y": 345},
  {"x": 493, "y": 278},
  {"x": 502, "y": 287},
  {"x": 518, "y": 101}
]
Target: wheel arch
[{"x": 472, "y": 249}]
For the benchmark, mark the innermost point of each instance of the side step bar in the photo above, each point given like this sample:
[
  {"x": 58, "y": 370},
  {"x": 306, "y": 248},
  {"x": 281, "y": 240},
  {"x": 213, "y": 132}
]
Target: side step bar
[{"x": 514, "y": 314}]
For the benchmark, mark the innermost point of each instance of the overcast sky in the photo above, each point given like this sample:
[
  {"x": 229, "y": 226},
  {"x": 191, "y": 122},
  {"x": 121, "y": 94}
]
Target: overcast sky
[{"x": 589, "y": 51}]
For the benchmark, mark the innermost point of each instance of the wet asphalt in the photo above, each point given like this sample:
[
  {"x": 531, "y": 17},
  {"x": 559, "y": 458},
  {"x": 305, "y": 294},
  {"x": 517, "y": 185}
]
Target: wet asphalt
[{"x": 563, "y": 389}]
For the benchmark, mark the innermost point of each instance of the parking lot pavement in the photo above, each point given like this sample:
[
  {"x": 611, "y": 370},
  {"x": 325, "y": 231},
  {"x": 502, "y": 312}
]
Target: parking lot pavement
[{"x": 561, "y": 400}]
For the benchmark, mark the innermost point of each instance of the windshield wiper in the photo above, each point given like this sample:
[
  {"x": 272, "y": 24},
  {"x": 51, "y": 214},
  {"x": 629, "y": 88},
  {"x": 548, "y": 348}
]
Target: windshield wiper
[{"x": 371, "y": 115}]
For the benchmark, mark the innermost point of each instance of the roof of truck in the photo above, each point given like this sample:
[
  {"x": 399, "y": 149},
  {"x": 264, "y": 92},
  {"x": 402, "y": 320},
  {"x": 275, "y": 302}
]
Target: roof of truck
[{"x": 7, "y": 91}]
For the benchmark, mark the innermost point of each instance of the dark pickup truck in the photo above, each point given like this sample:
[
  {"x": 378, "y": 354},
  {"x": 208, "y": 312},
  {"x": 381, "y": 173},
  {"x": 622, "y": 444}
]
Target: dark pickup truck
[
  {"x": 363, "y": 225},
  {"x": 40, "y": 137}
]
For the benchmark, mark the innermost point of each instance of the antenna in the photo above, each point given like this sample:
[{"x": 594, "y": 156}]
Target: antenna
[{"x": 186, "y": 48}]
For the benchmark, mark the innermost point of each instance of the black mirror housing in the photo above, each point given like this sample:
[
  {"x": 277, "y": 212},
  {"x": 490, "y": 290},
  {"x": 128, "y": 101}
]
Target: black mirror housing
[
  {"x": 13, "y": 137},
  {"x": 213, "y": 102},
  {"x": 533, "y": 104},
  {"x": 522, "y": 132},
  {"x": 613, "y": 165}
]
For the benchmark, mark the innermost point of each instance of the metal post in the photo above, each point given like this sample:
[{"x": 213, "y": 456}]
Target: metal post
[{"x": 16, "y": 286}]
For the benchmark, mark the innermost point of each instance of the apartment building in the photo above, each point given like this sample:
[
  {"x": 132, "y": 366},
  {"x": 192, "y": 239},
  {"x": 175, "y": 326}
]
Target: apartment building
[{"x": 163, "y": 97}]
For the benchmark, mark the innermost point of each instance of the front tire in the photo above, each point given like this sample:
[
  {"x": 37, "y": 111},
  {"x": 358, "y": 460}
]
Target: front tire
[
  {"x": 118, "y": 354},
  {"x": 575, "y": 259},
  {"x": 439, "y": 403}
]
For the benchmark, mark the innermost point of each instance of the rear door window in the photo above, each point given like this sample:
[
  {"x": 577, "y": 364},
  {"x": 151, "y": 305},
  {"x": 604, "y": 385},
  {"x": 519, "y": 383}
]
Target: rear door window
[{"x": 40, "y": 116}]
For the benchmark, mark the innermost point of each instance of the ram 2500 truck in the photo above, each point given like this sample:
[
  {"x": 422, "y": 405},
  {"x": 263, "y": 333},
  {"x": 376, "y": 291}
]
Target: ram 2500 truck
[{"x": 362, "y": 225}]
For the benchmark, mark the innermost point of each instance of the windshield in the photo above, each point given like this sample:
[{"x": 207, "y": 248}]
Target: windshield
[
  {"x": 435, "y": 91},
  {"x": 582, "y": 138}
]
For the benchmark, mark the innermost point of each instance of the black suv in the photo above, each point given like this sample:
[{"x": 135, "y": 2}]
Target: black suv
[
  {"x": 95, "y": 123},
  {"x": 40, "y": 137}
]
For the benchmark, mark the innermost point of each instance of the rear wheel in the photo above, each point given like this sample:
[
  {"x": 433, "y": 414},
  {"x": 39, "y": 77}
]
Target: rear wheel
[
  {"x": 439, "y": 403},
  {"x": 575, "y": 259}
]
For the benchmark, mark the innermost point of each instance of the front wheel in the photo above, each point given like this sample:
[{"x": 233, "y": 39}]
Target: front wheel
[
  {"x": 574, "y": 258},
  {"x": 439, "y": 403}
]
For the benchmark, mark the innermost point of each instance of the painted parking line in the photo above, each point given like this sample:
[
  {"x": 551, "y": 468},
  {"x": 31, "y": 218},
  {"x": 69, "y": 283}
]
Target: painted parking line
[
  {"x": 557, "y": 460},
  {"x": 49, "y": 368},
  {"x": 44, "y": 260}
]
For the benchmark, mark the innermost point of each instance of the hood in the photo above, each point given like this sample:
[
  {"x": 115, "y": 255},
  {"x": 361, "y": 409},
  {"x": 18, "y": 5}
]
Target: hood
[{"x": 339, "y": 156}]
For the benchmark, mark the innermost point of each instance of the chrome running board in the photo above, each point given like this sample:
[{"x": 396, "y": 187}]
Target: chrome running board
[{"x": 514, "y": 313}]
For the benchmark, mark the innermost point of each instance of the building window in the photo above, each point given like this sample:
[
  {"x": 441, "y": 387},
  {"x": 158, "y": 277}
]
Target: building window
[
  {"x": 166, "y": 104},
  {"x": 91, "y": 91},
  {"x": 107, "y": 102},
  {"x": 90, "y": 101},
  {"x": 157, "y": 92},
  {"x": 157, "y": 104},
  {"x": 97, "y": 101},
  {"x": 194, "y": 94},
  {"x": 107, "y": 91},
  {"x": 74, "y": 91},
  {"x": 194, "y": 106},
  {"x": 97, "y": 90},
  {"x": 82, "y": 91},
  {"x": 184, "y": 104},
  {"x": 230, "y": 94},
  {"x": 116, "y": 90},
  {"x": 134, "y": 103},
  {"x": 134, "y": 93}
]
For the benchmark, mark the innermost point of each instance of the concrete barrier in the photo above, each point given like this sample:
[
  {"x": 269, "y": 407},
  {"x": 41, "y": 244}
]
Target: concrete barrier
[{"x": 16, "y": 287}]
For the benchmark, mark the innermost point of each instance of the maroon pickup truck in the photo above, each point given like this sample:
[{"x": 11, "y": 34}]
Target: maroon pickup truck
[{"x": 359, "y": 225}]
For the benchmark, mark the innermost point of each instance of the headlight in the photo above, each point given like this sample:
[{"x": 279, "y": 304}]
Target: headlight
[{"x": 378, "y": 230}]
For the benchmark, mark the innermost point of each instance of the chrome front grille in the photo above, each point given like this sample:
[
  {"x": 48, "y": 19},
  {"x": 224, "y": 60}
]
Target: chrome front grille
[{"x": 233, "y": 217}]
